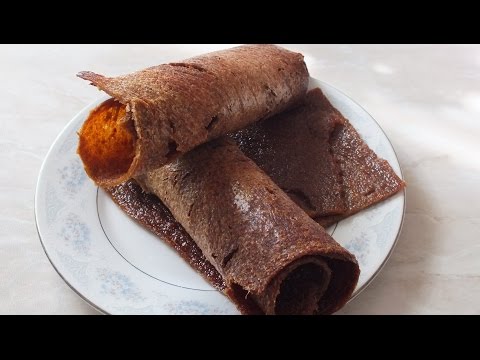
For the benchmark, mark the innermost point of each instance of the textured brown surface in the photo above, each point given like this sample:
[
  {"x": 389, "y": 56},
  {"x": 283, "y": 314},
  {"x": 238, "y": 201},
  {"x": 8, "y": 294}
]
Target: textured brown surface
[
  {"x": 149, "y": 211},
  {"x": 316, "y": 151},
  {"x": 367, "y": 179},
  {"x": 293, "y": 148},
  {"x": 172, "y": 108},
  {"x": 252, "y": 233}
]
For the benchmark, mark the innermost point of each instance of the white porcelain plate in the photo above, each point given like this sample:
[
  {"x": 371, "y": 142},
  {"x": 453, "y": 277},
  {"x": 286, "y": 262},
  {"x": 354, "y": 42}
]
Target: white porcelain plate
[{"x": 121, "y": 268}]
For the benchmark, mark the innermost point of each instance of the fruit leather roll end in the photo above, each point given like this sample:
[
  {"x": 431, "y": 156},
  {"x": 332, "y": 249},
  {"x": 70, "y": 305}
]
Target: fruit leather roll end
[
  {"x": 158, "y": 113},
  {"x": 256, "y": 237}
]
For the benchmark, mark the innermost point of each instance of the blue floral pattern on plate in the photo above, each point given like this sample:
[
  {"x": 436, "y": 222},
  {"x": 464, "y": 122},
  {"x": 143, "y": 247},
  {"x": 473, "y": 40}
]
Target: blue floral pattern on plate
[
  {"x": 72, "y": 177},
  {"x": 118, "y": 285},
  {"x": 76, "y": 234}
]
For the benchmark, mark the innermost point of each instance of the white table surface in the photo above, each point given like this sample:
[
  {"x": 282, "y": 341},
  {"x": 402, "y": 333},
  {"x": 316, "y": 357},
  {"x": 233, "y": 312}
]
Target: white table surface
[{"x": 426, "y": 98}]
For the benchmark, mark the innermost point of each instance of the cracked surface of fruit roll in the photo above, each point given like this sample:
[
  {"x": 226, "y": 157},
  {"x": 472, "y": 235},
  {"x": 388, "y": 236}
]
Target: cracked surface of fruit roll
[
  {"x": 254, "y": 235},
  {"x": 318, "y": 158},
  {"x": 161, "y": 112}
]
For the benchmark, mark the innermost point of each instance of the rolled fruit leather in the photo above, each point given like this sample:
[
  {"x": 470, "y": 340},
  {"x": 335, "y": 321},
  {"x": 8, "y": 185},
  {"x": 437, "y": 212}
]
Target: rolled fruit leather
[
  {"x": 158, "y": 113},
  {"x": 255, "y": 236}
]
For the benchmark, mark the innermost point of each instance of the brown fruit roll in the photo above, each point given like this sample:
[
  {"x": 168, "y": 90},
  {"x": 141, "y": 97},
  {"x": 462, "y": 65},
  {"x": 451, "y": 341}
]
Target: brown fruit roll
[
  {"x": 254, "y": 235},
  {"x": 317, "y": 157},
  {"x": 161, "y": 112},
  {"x": 294, "y": 149}
]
